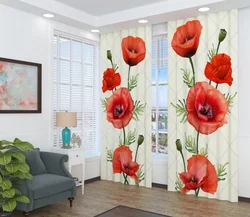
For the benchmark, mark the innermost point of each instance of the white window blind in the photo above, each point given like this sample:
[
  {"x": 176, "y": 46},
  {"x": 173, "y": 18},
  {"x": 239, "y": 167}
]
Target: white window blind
[
  {"x": 159, "y": 89},
  {"x": 76, "y": 87}
]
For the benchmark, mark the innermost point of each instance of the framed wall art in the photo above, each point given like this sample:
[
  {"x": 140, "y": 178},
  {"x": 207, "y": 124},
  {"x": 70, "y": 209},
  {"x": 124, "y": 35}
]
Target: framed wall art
[{"x": 20, "y": 86}]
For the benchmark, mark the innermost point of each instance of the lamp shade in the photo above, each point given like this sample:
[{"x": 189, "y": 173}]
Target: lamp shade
[{"x": 66, "y": 119}]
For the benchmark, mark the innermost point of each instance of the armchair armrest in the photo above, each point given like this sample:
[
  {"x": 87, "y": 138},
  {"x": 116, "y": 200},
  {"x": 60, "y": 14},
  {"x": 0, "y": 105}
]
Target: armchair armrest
[{"x": 54, "y": 163}]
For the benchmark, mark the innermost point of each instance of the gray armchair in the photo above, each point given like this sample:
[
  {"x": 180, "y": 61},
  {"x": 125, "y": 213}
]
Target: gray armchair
[{"x": 51, "y": 181}]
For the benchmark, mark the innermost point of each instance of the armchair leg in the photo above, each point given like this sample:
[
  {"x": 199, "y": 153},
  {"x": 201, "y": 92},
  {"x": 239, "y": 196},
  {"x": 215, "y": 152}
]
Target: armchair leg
[
  {"x": 26, "y": 213},
  {"x": 71, "y": 201}
]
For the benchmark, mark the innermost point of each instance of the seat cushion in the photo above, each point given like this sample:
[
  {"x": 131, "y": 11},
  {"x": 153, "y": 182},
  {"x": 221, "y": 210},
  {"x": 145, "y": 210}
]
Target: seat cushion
[
  {"x": 35, "y": 162},
  {"x": 44, "y": 185}
]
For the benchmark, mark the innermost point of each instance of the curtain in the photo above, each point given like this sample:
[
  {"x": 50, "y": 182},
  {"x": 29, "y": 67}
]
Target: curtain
[
  {"x": 203, "y": 118},
  {"x": 116, "y": 162}
]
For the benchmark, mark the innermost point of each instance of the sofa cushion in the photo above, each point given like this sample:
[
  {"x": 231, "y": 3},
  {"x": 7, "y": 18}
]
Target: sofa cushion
[
  {"x": 35, "y": 163},
  {"x": 44, "y": 185}
]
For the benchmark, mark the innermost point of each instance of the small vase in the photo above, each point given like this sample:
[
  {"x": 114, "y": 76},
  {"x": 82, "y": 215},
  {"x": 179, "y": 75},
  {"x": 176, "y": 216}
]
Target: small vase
[{"x": 5, "y": 214}]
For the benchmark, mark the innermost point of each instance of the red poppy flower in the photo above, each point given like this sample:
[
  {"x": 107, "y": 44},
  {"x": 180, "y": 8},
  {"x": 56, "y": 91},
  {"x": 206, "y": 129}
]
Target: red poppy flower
[
  {"x": 206, "y": 108},
  {"x": 200, "y": 174},
  {"x": 120, "y": 107},
  {"x": 186, "y": 38},
  {"x": 122, "y": 162},
  {"x": 110, "y": 80},
  {"x": 133, "y": 50},
  {"x": 220, "y": 70}
]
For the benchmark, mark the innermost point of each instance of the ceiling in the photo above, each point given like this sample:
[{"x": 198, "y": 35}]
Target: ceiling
[
  {"x": 93, "y": 7},
  {"x": 110, "y": 15}
]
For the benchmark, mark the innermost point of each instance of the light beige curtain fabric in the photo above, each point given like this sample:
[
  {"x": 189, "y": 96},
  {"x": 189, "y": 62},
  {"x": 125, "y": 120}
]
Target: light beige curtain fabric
[
  {"x": 222, "y": 145},
  {"x": 109, "y": 134}
]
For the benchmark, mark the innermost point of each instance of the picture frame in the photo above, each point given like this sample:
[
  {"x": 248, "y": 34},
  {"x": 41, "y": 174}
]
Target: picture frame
[{"x": 20, "y": 86}]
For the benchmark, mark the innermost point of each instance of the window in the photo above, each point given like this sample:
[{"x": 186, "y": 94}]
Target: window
[
  {"x": 159, "y": 93},
  {"x": 75, "y": 88}
]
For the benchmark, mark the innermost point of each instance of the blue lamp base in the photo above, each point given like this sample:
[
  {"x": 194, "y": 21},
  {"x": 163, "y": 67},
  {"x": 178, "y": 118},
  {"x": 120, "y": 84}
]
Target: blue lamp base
[{"x": 66, "y": 135}]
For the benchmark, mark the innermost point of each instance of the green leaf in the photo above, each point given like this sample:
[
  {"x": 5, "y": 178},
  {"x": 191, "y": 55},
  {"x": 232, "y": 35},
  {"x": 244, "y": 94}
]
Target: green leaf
[
  {"x": 133, "y": 82},
  {"x": 104, "y": 104},
  {"x": 5, "y": 158},
  {"x": 141, "y": 174},
  {"x": 130, "y": 138},
  {"x": 190, "y": 144},
  {"x": 211, "y": 53},
  {"x": 18, "y": 156},
  {"x": 221, "y": 171},
  {"x": 19, "y": 175},
  {"x": 4, "y": 172},
  {"x": 181, "y": 110},
  {"x": 6, "y": 184},
  {"x": 17, "y": 192},
  {"x": 12, "y": 167},
  {"x": 109, "y": 155},
  {"x": 138, "y": 110},
  {"x": 24, "y": 146},
  {"x": 178, "y": 184},
  {"x": 5, "y": 142},
  {"x": 9, "y": 193},
  {"x": 187, "y": 78},
  {"x": 29, "y": 176},
  {"x": 22, "y": 199},
  {"x": 230, "y": 99},
  {"x": 23, "y": 167},
  {"x": 9, "y": 205},
  {"x": 5, "y": 147},
  {"x": 204, "y": 151}
]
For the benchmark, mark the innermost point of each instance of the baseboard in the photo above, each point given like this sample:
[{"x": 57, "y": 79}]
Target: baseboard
[
  {"x": 92, "y": 180},
  {"x": 156, "y": 185},
  {"x": 244, "y": 199}
]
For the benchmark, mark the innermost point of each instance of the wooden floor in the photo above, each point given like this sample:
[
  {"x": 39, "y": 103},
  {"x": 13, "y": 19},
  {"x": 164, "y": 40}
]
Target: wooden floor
[{"x": 101, "y": 195}]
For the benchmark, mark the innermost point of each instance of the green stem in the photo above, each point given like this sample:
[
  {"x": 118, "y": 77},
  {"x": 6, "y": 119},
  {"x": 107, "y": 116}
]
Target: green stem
[
  {"x": 192, "y": 65},
  {"x": 184, "y": 164},
  {"x": 124, "y": 141},
  {"x": 197, "y": 142},
  {"x": 197, "y": 192},
  {"x": 129, "y": 75},
  {"x": 136, "y": 152},
  {"x": 125, "y": 178},
  {"x": 124, "y": 136},
  {"x": 112, "y": 64},
  {"x": 216, "y": 86},
  {"x": 218, "y": 46}
]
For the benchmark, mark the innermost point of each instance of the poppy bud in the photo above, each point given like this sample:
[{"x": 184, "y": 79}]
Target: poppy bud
[
  {"x": 222, "y": 35},
  {"x": 109, "y": 55},
  {"x": 178, "y": 145},
  {"x": 140, "y": 139}
]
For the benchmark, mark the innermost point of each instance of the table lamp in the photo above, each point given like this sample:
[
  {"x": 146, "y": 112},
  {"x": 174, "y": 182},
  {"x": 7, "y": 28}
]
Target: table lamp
[{"x": 66, "y": 119}]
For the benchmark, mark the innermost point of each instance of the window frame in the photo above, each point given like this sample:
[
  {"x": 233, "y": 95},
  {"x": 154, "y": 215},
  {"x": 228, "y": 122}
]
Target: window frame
[
  {"x": 57, "y": 139},
  {"x": 157, "y": 84}
]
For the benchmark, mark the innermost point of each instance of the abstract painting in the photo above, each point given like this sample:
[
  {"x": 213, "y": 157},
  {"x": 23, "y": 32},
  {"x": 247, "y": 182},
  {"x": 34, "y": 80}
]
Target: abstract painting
[{"x": 20, "y": 86}]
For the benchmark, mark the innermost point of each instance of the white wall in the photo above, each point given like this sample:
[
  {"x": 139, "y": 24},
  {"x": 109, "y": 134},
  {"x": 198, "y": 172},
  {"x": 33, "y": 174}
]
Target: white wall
[
  {"x": 27, "y": 37},
  {"x": 244, "y": 102},
  {"x": 30, "y": 38}
]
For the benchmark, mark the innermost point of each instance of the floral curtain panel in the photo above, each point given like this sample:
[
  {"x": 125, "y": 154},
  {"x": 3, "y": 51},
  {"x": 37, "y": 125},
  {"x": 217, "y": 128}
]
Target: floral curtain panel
[
  {"x": 203, "y": 110},
  {"x": 126, "y": 103}
]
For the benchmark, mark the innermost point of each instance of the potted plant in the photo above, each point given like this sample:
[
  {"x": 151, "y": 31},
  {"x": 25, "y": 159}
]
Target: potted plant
[{"x": 13, "y": 169}]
